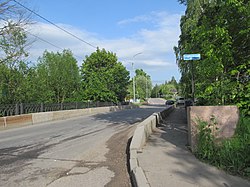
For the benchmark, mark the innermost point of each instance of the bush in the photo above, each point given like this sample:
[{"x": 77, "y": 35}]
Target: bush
[
  {"x": 206, "y": 146},
  {"x": 233, "y": 154}
]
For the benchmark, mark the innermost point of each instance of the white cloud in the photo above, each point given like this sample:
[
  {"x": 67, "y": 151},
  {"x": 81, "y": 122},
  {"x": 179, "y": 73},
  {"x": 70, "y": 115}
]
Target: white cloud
[
  {"x": 142, "y": 18},
  {"x": 60, "y": 40},
  {"x": 155, "y": 42}
]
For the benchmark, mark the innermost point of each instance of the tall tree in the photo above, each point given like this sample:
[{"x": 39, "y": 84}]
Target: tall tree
[
  {"x": 103, "y": 77},
  {"x": 58, "y": 77},
  {"x": 143, "y": 85},
  {"x": 12, "y": 61},
  {"x": 13, "y": 43},
  {"x": 168, "y": 90},
  {"x": 13, "y": 20},
  {"x": 219, "y": 30}
]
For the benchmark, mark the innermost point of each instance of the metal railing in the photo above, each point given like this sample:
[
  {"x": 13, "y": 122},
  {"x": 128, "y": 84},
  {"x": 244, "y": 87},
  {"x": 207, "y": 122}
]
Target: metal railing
[{"x": 25, "y": 108}]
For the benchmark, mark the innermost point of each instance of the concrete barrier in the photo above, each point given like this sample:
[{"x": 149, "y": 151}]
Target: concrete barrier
[
  {"x": 139, "y": 178},
  {"x": 138, "y": 139},
  {"x": 36, "y": 118},
  {"x": 141, "y": 134},
  {"x": 18, "y": 120},
  {"x": 2, "y": 121},
  {"x": 42, "y": 117}
]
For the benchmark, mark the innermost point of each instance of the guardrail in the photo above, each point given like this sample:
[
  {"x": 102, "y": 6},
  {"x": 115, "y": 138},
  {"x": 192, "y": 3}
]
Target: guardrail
[{"x": 26, "y": 108}]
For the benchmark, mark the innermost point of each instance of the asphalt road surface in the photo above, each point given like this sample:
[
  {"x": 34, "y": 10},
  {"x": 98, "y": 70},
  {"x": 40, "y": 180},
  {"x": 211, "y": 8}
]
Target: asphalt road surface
[{"x": 83, "y": 151}]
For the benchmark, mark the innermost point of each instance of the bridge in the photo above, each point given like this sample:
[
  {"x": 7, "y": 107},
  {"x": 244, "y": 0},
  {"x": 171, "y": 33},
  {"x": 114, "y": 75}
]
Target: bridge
[{"x": 90, "y": 150}]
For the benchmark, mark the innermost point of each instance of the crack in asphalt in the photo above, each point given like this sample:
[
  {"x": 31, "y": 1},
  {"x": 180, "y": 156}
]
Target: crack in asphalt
[
  {"x": 116, "y": 161},
  {"x": 32, "y": 151}
]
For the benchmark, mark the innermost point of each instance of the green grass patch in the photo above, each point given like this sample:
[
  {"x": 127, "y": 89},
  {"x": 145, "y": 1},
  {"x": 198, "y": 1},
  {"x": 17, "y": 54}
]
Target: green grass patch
[{"x": 231, "y": 155}]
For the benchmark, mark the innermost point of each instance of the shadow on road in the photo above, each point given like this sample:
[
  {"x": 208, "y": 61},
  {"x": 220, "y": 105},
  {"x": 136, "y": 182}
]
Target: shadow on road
[
  {"x": 176, "y": 159},
  {"x": 129, "y": 116},
  {"x": 175, "y": 128}
]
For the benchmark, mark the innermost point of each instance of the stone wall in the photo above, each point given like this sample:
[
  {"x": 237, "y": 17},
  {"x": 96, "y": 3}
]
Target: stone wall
[{"x": 225, "y": 118}]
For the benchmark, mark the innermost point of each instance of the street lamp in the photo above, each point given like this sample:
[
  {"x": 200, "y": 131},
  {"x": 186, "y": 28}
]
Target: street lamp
[{"x": 134, "y": 76}]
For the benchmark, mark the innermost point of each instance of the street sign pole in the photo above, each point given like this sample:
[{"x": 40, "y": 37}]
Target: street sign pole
[
  {"x": 192, "y": 57},
  {"x": 193, "y": 84}
]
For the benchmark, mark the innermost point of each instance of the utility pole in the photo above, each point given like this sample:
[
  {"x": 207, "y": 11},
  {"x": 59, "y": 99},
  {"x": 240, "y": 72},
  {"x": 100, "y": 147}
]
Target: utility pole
[
  {"x": 146, "y": 87},
  {"x": 133, "y": 82},
  {"x": 134, "y": 99}
]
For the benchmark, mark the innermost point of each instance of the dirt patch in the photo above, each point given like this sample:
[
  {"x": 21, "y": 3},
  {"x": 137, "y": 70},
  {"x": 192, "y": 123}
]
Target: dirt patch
[{"x": 117, "y": 158}]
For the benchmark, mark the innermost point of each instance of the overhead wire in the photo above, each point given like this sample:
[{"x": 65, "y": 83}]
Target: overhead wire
[
  {"x": 44, "y": 40},
  {"x": 64, "y": 30},
  {"x": 48, "y": 42}
]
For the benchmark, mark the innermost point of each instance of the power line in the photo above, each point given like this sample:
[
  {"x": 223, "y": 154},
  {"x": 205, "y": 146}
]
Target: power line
[
  {"x": 55, "y": 25},
  {"x": 48, "y": 42},
  {"x": 44, "y": 40}
]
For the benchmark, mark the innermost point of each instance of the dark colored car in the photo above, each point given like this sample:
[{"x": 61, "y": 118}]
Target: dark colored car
[
  {"x": 188, "y": 103},
  {"x": 169, "y": 102}
]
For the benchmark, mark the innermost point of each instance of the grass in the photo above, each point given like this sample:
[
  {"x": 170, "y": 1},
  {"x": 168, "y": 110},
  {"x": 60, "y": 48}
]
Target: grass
[{"x": 231, "y": 155}]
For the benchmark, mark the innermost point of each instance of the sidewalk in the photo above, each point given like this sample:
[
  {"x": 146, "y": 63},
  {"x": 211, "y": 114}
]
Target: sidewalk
[{"x": 167, "y": 162}]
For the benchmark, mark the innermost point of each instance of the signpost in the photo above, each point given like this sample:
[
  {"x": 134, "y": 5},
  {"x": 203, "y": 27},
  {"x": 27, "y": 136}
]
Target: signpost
[{"x": 190, "y": 57}]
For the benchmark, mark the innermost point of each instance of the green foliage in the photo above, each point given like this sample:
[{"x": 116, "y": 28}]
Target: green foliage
[
  {"x": 57, "y": 77},
  {"x": 232, "y": 155},
  {"x": 12, "y": 44},
  {"x": 13, "y": 69},
  {"x": 103, "y": 77},
  {"x": 219, "y": 30},
  {"x": 206, "y": 147},
  {"x": 143, "y": 84},
  {"x": 168, "y": 90}
]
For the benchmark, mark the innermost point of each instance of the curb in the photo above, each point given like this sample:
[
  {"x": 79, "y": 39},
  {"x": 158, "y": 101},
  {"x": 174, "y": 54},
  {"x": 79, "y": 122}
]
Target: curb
[{"x": 141, "y": 134}]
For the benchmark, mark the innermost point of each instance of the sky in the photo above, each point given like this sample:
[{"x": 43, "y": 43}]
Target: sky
[{"x": 142, "y": 32}]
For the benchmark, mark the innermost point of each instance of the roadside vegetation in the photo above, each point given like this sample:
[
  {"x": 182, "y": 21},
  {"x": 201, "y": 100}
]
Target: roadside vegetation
[
  {"x": 231, "y": 155},
  {"x": 56, "y": 76},
  {"x": 143, "y": 84},
  {"x": 167, "y": 90},
  {"x": 220, "y": 32}
]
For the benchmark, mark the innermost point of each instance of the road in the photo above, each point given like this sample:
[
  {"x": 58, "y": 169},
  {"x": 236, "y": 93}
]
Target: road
[{"x": 83, "y": 151}]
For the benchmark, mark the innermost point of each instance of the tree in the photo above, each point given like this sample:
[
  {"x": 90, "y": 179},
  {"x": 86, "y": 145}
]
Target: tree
[
  {"x": 140, "y": 72},
  {"x": 13, "y": 43},
  {"x": 168, "y": 90},
  {"x": 12, "y": 65},
  {"x": 58, "y": 77},
  {"x": 219, "y": 30},
  {"x": 103, "y": 77},
  {"x": 143, "y": 85},
  {"x": 13, "y": 19}
]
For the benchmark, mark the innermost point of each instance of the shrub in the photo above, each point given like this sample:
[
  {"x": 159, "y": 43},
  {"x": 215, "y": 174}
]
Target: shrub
[{"x": 233, "y": 154}]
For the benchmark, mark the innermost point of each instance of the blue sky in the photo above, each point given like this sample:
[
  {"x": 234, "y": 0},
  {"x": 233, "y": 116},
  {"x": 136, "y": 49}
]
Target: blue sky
[{"x": 125, "y": 28}]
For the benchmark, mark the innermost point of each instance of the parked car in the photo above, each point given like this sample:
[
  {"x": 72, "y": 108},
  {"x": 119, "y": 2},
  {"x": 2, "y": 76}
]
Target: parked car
[
  {"x": 169, "y": 102},
  {"x": 188, "y": 102},
  {"x": 180, "y": 101}
]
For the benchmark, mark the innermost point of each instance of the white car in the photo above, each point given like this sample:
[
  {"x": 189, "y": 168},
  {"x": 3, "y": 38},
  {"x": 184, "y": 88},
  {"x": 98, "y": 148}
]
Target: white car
[{"x": 180, "y": 101}]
